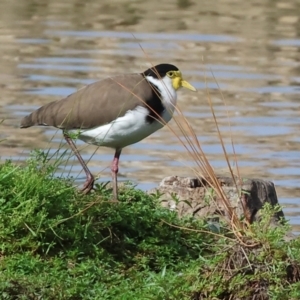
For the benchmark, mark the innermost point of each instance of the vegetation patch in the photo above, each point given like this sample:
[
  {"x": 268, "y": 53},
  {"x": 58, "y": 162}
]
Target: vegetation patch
[{"x": 58, "y": 244}]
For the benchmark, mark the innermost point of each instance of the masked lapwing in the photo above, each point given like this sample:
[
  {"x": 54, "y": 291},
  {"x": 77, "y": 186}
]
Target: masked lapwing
[{"x": 114, "y": 112}]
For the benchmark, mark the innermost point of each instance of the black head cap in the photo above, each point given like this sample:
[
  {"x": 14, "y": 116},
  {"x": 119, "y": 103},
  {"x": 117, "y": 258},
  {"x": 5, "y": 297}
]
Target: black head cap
[{"x": 160, "y": 71}]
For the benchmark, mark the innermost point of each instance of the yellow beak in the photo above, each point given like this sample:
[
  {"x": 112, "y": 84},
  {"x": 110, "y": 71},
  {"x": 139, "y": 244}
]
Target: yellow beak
[{"x": 187, "y": 85}]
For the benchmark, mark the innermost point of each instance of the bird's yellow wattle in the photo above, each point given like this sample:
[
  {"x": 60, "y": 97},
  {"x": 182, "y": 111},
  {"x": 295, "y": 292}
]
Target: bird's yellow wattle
[{"x": 178, "y": 82}]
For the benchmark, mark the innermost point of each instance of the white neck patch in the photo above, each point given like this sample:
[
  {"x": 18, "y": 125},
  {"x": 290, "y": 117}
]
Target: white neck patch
[{"x": 167, "y": 91}]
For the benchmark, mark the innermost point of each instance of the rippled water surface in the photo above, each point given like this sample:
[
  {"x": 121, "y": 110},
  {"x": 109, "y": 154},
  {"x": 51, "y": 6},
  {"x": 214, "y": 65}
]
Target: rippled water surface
[{"x": 249, "y": 51}]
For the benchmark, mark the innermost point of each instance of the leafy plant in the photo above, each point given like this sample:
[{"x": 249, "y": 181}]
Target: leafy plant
[{"x": 59, "y": 244}]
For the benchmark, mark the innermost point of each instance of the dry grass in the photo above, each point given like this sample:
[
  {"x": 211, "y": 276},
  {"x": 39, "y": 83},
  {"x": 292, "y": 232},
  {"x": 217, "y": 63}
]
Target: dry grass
[{"x": 204, "y": 169}]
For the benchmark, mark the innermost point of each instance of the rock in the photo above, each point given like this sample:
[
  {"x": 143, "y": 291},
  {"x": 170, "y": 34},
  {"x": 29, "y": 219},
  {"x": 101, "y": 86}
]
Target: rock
[{"x": 193, "y": 196}]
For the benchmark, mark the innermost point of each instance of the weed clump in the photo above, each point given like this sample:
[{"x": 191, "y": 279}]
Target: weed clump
[{"x": 59, "y": 244}]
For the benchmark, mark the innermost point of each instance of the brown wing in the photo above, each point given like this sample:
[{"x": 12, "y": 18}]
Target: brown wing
[{"x": 94, "y": 105}]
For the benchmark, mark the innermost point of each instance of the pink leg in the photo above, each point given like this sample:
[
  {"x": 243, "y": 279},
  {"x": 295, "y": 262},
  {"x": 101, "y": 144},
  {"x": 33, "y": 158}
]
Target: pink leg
[
  {"x": 89, "y": 183},
  {"x": 114, "y": 171}
]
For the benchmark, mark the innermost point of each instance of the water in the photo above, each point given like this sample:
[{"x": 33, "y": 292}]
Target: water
[{"x": 50, "y": 49}]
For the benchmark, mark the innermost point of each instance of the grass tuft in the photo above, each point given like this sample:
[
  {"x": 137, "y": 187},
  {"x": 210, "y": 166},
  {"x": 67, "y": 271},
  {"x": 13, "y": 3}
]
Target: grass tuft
[{"x": 59, "y": 244}]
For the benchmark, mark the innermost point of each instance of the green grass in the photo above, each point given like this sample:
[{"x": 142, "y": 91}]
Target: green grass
[{"x": 58, "y": 244}]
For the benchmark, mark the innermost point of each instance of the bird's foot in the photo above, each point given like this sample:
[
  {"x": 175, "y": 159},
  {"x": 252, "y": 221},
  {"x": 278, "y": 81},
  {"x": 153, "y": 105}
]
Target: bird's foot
[{"x": 88, "y": 186}]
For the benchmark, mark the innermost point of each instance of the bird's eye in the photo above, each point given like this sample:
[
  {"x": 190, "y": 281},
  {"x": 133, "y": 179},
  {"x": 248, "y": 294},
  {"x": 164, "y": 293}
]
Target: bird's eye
[{"x": 171, "y": 74}]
